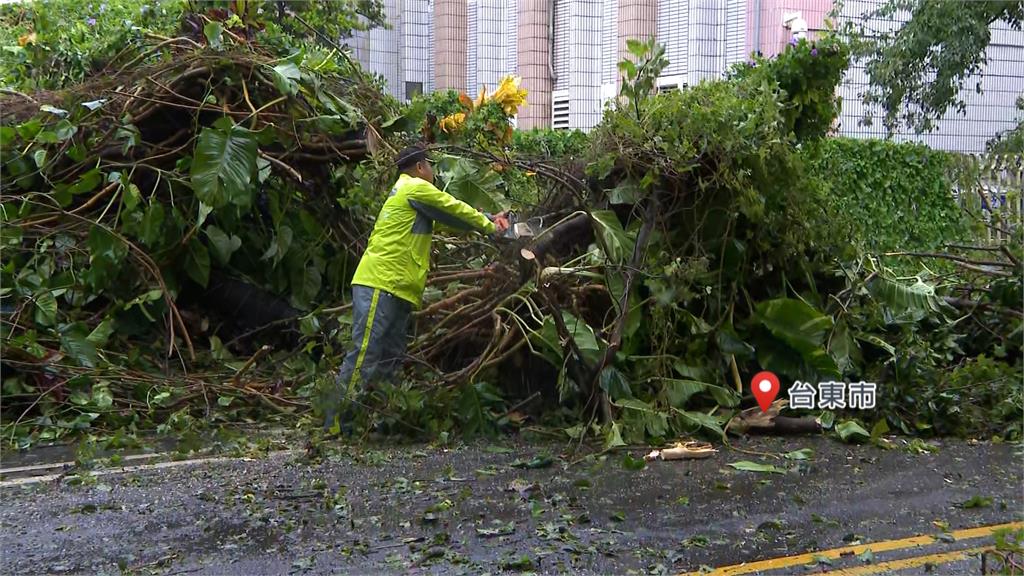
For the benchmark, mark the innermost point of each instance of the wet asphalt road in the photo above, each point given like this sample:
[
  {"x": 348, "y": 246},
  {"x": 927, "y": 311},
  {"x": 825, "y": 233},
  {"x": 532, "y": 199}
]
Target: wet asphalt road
[{"x": 467, "y": 510}]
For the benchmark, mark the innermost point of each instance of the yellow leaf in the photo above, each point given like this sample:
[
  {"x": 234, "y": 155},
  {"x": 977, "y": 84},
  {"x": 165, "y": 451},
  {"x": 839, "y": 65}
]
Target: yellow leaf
[{"x": 26, "y": 39}]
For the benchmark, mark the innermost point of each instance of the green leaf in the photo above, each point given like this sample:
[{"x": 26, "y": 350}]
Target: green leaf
[
  {"x": 46, "y": 308},
  {"x": 851, "y": 431},
  {"x": 626, "y": 192},
  {"x": 65, "y": 130},
  {"x": 615, "y": 384},
  {"x": 636, "y": 47},
  {"x": 915, "y": 301},
  {"x": 305, "y": 284},
  {"x": 798, "y": 324},
  {"x": 198, "y": 263},
  {"x": 224, "y": 164},
  {"x": 843, "y": 348},
  {"x": 285, "y": 76},
  {"x": 471, "y": 412},
  {"x": 86, "y": 182},
  {"x": 617, "y": 242},
  {"x": 540, "y": 461},
  {"x": 102, "y": 397},
  {"x": 221, "y": 245},
  {"x": 101, "y": 333},
  {"x": 881, "y": 428},
  {"x": 801, "y": 454},
  {"x": 225, "y": 401},
  {"x": 214, "y": 32},
  {"x": 152, "y": 223},
  {"x": 499, "y": 530},
  {"x": 701, "y": 420},
  {"x": 730, "y": 343},
  {"x": 79, "y": 348},
  {"x": 630, "y": 463},
  {"x": 614, "y": 437},
  {"x": 476, "y": 186},
  {"x": 826, "y": 419},
  {"x": 748, "y": 466},
  {"x": 976, "y": 502},
  {"x": 678, "y": 392}
]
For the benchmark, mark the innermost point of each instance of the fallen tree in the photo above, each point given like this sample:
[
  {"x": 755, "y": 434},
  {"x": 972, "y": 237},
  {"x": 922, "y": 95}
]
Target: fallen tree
[{"x": 178, "y": 239}]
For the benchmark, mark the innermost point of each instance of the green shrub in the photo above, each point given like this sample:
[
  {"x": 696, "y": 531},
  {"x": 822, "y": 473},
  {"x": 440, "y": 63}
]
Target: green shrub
[
  {"x": 807, "y": 73},
  {"x": 549, "y": 143},
  {"x": 883, "y": 196},
  {"x": 50, "y": 44}
]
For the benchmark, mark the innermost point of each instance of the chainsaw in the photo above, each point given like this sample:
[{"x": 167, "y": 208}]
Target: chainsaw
[{"x": 527, "y": 229}]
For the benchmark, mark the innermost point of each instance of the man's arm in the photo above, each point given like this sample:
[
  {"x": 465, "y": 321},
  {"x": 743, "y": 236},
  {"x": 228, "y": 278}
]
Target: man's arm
[{"x": 446, "y": 210}]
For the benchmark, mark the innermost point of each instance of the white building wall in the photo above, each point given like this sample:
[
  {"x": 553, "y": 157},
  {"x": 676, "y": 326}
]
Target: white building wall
[
  {"x": 585, "y": 68},
  {"x": 707, "y": 39},
  {"x": 511, "y": 36},
  {"x": 561, "y": 53},
  {"x": 491, "y": 44},
  {"x": 380, "y": 51},
  {"x": 735, "y": 32},
  {"x": 473, "y": 49},
  {"x": 417, "y": 47},
  {"x": 673, "y": 27}
]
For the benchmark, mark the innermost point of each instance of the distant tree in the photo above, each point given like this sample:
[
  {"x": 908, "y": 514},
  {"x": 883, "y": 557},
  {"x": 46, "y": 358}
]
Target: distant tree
[{"x": 916, "y": 71}]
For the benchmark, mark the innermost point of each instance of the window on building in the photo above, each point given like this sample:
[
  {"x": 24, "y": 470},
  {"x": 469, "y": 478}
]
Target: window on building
[{"x": 413, "y": 89}]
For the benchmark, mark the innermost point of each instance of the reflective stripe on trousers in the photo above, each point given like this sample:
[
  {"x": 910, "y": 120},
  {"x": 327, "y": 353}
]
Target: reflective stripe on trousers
[{"x": 379, "y": 337}]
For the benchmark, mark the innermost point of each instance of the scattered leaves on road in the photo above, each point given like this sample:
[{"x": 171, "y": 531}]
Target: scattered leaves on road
[
  {"x": 748, "y": 466},
  {"x": 801, "y": 454},
  {"x": 976, "y": 502}
]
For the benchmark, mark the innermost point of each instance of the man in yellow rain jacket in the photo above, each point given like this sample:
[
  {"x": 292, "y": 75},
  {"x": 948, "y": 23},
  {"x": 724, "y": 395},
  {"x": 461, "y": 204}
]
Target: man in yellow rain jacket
[{"x": 389, "y": 281}]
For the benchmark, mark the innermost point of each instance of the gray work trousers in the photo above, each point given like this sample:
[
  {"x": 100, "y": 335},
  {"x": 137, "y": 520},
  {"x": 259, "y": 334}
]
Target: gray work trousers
[{"x": 380, "y": 323}]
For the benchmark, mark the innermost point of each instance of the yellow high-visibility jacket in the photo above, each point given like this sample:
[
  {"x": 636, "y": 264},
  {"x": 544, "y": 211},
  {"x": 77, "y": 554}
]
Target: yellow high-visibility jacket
[{"x": 398, "y": 255}]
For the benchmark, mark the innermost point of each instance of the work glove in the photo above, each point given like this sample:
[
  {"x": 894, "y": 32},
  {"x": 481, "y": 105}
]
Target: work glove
[{"x": 500, "y": 222}]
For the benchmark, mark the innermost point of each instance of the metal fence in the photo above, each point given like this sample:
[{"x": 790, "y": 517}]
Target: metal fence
[{"x": 991, "y": 187}]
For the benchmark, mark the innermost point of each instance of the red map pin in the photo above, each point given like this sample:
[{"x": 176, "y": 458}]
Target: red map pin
[{"x": 765, "y": 387}]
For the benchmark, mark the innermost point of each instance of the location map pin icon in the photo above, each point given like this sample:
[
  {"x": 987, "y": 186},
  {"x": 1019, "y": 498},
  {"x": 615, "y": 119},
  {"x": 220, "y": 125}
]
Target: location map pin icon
[{"x": 765, "y": 386}]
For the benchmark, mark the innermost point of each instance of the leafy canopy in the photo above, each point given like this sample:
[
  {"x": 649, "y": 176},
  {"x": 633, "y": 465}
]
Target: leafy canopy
[{"x": 916, "y": 72}]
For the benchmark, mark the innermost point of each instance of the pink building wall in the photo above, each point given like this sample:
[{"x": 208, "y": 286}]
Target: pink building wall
[{"x": 773, "y": 35}]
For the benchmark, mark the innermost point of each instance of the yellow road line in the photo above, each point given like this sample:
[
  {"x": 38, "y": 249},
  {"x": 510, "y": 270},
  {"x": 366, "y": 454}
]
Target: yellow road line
[
  {"x": 834, "y": 553},
  {"x": 912, "y": 562}
]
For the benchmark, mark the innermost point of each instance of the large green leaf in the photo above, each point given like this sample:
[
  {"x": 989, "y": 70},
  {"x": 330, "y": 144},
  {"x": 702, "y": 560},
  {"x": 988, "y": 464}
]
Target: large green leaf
[
  {"x": 78, "y": 347},
  {"x": 615, "y": 383},
  {"x": 305, "y": 284},
  {"x": 224, "y": 164},
  {"x": 198, "y": 263},
  {"x": 748, "y": 466},
  {"x": 678, "y": 392},
  {"x": 46, "y": 308},
  {"x": 476, "y": 186},
  {"x": 221, "y": 245},
  {"x": 795, "y": 322},
  {"x": 618, "y": 243},
  {"x": 697, "y": 420},
  {"x": 285, "y": 76},
  {"x": 852, "y": 431},
  {"x": 911, "y": 302},
  {"x": 550, "y": 343}
]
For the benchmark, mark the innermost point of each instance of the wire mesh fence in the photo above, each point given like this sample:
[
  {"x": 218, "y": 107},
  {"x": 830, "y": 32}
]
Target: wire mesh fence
[{"x": 991, "y": 187}]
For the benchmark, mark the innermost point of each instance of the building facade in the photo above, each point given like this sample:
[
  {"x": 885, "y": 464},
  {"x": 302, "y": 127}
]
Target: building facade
[{"x": 567, "y": 53}]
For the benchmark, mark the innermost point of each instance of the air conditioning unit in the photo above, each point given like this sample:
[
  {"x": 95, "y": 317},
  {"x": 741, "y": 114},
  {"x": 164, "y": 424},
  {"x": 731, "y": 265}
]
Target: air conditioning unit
[{"x": 560, "y": 109}]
